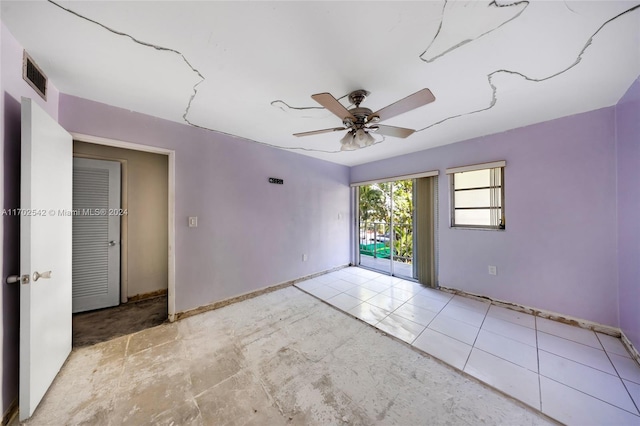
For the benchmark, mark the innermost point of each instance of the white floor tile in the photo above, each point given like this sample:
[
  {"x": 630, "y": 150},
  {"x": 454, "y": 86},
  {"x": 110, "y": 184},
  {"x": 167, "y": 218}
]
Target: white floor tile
[
  {"x": 364, "y": 273},
  {"x": 470, "y": 316},
  {"x": 469, "y": 303},
  {"x": 325, "y": 279},
  {"x": 627, "y": 368},
  {"x": 409, "y": 286},
  {"x": 573, "y": 407},
  {"x": 342, "y": 285},
  {"x": 634, "y": 391},
  {"x": 309, "y": 284},
  {"x": 427, "y": 303},
  {"x": 586, "y": 379},
  {"x": 400, "y": 327},
  {"x": 575, "y": 351},
  {"x": 505, "y": 376},
  {"x": 511, "y": 330},
  {"x": 375, "y": 285},
  {"x": 385, "y": 302},
  {"x": 356, "y": 279},
  {"x": 520, "y": 318},
  {"x": 570, "y": 332},
  {"x": 511, "y": 350},
  {"x": 369, "y": 313},
  {"x": 361, "y": 293},
  {"x": 397, "y": 293},
  {"x": 344, "y": 301},
  {"x": 388, "y": 279},
  {"x": 415, "y": 314},
  {"x": 456, "y": 329},
  {"x": 437, "y": 294},
  {"x": 325, "y": 292},
  {"x": 445, "y": 348},
  {"x": 337, "y": 275},
  {"x": 613, "y": 345}
]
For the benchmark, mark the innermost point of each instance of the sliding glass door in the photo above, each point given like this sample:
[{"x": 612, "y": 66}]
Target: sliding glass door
[
  {"x": 398, "y": 228},
  {"x": 386, "y": 241}
]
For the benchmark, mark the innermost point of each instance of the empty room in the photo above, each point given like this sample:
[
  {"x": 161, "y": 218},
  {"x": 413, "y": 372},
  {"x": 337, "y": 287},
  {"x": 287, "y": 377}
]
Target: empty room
[{"x": 320, "y": 212}]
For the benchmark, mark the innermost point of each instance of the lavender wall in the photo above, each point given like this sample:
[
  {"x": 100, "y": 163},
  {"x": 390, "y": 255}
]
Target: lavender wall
[
  {"x": 558, "y": 252},
  {"x": 628, "y": 155},
  {"x": 12, "y": 88},
  {"x": 251, "y": 234}
]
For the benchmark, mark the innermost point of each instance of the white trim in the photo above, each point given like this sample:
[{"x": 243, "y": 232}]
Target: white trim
[
  {"x": 171, "y": 290},
  {"x": 473, "y": 167},
  {"x": 394, "y": 178}
]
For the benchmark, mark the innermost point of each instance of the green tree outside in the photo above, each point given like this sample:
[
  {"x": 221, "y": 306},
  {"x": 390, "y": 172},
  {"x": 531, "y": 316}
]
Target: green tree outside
[{"x": 375, "y": 211}]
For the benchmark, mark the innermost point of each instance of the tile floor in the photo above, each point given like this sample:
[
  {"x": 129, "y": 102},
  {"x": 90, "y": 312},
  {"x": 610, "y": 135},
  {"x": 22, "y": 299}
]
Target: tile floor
[{"x": 573, "y": 375}]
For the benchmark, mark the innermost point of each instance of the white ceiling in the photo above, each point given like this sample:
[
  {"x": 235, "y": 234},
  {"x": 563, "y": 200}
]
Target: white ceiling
[{"x": 249, "y": 68}]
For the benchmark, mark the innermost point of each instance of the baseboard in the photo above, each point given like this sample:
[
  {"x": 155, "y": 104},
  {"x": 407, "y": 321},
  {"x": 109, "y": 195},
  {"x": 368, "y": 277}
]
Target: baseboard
[
  {"x": 251, "y": 294},
  {"x": 582, "y": 323},
  {"x": 149, "y": 295},
  {"x": 10, "y": 413},
  {"x": 632, "y": 349}
]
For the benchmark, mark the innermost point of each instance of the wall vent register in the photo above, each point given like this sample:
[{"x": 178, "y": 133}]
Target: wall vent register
[{"x": 34, "y": 76}]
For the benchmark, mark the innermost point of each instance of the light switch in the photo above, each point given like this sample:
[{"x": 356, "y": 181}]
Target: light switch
[{"x": 193, "y": 222}]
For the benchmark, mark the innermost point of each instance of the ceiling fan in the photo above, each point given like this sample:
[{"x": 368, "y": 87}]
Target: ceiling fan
[{"x": 361, "y": 122}]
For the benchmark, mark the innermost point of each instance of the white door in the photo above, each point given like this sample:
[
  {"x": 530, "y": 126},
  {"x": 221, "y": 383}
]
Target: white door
[
  {"x": 96, "y": 234},
  {"x": 45, "y": 249}
]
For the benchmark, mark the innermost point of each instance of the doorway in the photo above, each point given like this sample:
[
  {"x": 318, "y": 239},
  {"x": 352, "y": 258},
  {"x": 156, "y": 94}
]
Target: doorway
[
  {"x": 397, "y": 227},
  {"x": 143, "y": 244},
  {"x": 96, "y": 234}
]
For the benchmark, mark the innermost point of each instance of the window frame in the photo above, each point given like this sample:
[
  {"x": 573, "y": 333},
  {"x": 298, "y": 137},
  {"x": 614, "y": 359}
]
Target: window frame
[{"x": 452, "y": 191}]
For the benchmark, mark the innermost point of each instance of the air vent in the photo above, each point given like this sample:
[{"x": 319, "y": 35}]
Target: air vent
[{"x": 33, "y": 75}]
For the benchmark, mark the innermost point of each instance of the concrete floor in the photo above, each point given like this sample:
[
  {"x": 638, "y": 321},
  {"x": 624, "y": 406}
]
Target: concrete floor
[
  {"x": 98, "y": 326},
  {"x": 280, "y": 358}
]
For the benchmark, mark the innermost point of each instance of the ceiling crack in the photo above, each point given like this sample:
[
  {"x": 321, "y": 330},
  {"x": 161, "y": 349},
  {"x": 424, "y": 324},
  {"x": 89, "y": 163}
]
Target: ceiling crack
[
  {"x": 277, "y": 103},
  {"x": 195, "y": 87},
  {"x": 462, "y": 43},
  {"x": 494, "y": 89}
]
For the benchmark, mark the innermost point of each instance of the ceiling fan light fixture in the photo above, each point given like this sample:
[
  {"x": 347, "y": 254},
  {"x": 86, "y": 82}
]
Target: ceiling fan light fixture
[
  {"x": 347, "y": 139},
  {"x": 369, "y": 140},
  {"x": 363, "y": 138}
]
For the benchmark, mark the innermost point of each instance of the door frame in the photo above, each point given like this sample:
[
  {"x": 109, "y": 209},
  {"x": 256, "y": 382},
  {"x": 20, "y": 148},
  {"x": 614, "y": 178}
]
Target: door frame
[{"x": 171, "y": 186}]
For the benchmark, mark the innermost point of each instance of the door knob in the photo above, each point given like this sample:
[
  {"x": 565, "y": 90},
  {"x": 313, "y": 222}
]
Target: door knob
[
  {"x": 45, "y": 275},
  {"x": 12, "y": 279}
]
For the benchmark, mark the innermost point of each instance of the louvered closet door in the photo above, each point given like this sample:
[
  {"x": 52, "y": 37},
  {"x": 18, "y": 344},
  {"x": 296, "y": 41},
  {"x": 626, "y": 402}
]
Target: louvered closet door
[{"x": 96, "y": 234}]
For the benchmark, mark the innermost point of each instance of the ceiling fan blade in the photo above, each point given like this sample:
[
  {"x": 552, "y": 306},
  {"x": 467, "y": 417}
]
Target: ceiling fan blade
[
  {"x": 418, "y": 99},
  {"x": 330, "y": 103},
  {"x": 317, "y": 132},
  {"x": 396, "y": 132}
]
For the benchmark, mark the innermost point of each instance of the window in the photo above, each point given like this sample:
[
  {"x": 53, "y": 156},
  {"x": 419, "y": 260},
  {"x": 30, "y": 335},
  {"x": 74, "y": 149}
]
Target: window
[{"x": 477, "y": 196}]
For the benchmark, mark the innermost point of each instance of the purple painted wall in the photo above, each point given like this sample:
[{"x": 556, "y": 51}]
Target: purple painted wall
[
  {"x": 558, "y": 252},
  {"x": 628, "y": 155},
  {"x": 12, "y": 88},
  {"x": 251, "y": 234}
]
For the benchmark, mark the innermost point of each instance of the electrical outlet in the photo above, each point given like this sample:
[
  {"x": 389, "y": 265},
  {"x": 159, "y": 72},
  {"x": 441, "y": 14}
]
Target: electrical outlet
[
  {"x": 304, "y": 257},
  {"x": 493, "y": 270},
  {"x": 193, "y": 222}
]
